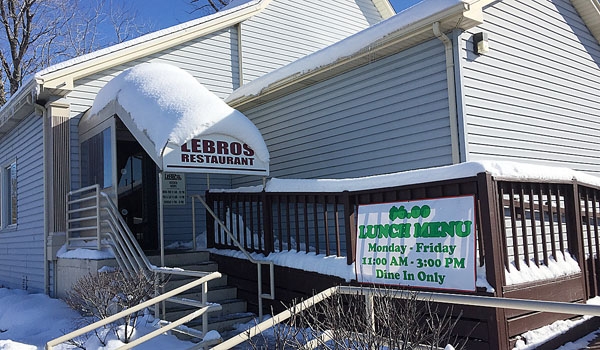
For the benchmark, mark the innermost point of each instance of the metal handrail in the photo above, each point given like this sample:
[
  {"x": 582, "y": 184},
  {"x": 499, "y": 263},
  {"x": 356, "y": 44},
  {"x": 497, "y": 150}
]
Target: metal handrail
[
  {"x": 129, "y": 255},
  {"x": 148, "y": 303},
  {"x": 259, "y": 263},
  {"x": 369, "y": 293},
  {"x": 94, "y": 196},
  {"x": 125, "y": 242}
]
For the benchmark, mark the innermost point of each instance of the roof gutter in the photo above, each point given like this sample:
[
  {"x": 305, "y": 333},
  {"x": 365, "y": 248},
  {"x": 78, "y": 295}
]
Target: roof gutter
[
  {"x": 15, "y": 109},
  {"x": 462, "y": 15},
  {"x": 451, "y": 91}
]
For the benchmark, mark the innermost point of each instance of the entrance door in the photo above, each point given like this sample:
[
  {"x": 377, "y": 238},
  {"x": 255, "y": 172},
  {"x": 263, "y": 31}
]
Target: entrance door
[{"x": 137, "y": 189}]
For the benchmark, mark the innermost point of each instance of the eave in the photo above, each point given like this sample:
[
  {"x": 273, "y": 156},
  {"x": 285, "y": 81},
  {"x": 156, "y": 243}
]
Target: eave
[
  {"x": 385, "y": 8},
  {"x": 62, "y": 79},
  {"x": 589, "y": 10},
  {"x": 21, "y": 106},
  {"x": 463, "y": 16}
]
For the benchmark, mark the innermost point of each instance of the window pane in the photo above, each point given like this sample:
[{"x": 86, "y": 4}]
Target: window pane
[
  {"x": 12, "y": 190},
  {"x": 107, "y": 161},
  {"x": 96, "y": 162},
  {"x": 8, "y": 195}
]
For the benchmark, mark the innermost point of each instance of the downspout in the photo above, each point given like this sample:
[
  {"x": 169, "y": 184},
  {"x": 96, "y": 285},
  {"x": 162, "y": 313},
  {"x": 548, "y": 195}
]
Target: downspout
[
  {"x": 43, "y": 112},
  {"x": 451, "y": 92},
  {"x": 240, "y": 55}
]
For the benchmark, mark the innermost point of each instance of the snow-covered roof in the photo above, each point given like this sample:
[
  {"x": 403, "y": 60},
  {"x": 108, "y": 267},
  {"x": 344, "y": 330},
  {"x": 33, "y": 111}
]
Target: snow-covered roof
[
  {"x": 165, "y": 104},
  {"x": 58, "y": 79},
  {"x": 422, "y": 14}
]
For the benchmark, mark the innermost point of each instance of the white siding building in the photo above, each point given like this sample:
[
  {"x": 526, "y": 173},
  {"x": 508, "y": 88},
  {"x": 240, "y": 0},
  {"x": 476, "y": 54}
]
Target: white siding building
[{"x": 41, "y": 142}]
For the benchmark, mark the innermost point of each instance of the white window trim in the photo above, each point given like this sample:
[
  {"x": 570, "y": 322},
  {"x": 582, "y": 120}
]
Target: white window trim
[{"x": 5, "y": 197}]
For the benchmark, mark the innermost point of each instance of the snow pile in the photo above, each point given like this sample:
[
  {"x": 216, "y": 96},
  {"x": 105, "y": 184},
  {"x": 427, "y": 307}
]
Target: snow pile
[
  {"x": 29, "y": 321},
  {"x": 311, "y": 262},
  {"x": 167, "y": 104},
  {"x": 533, "y": 338},
  {"x": 84, "y": 253},
  {"x": 563, "y": 266}
]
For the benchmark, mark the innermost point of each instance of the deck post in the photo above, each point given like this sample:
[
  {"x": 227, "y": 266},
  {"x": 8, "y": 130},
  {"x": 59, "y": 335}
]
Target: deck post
[
  {"x": 575, "y": 234},
  {"x": 492, "y": 245},
  {"x": 349, "y": 228},
  {"x": 267, "y": 224},
  {"x": 210, "y": 222}
]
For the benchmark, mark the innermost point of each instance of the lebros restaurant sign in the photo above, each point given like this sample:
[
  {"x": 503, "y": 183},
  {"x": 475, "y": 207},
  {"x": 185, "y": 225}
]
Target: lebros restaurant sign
[
  {"x": 426, "y": 243},
  {"x": 213, "y": 154}
]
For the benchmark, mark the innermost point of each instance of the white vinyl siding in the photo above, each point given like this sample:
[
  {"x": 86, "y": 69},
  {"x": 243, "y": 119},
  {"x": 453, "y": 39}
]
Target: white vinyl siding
[
  {"x": 390, "y": 115},
  {"x": 21, "y": 245},
  {"x": 536, "y": 96},
  {"x": 288, "y": 29}
]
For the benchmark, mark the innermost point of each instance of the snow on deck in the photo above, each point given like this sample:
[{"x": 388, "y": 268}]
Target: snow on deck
[{"x": 500, "y": 169}]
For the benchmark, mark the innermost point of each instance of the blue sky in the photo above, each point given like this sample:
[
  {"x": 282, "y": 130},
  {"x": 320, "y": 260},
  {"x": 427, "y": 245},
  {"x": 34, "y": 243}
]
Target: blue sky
[{"x": 165, "y": 13}]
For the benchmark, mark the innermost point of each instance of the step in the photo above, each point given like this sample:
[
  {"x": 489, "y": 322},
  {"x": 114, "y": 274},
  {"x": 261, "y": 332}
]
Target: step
[
  {"x": 207, "y": 266},
  {"x": 177, "y": 281},
  {"x": 214, "y": 295},
  {"x": 233, "y": 306},
  {"x": 180, "y": 258},
  {"x": 223, "y": 323}
]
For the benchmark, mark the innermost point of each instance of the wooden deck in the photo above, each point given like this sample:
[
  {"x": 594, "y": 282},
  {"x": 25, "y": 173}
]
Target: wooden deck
[{"x": 518, "y": 223}]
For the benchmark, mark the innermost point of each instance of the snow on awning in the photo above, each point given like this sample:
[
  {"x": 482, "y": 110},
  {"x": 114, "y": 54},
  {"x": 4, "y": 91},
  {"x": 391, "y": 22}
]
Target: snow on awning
[{"x": 182, "y": 125}]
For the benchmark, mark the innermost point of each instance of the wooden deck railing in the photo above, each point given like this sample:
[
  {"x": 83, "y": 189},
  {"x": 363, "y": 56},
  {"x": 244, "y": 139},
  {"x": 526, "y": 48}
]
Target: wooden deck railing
[
  {"x": 522, "y": 222},
  {"x": 521, "y": 225}
]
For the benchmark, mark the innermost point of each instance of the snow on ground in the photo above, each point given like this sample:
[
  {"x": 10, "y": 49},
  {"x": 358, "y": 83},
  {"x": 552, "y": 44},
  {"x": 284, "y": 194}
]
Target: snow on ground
[{"x": 28, "y": 321}]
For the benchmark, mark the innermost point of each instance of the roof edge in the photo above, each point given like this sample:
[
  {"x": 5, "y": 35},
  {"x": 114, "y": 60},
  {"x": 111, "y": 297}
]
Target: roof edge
[
  {"x": 63, "y": 77},
  {"x": 589, "y": 11},
  {"x": 464, "y": 15},
  {"x": 385, "y": 8}
]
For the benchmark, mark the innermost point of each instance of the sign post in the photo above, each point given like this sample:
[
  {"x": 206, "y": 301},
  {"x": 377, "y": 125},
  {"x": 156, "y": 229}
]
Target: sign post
[{"x": 425, "y": 243}]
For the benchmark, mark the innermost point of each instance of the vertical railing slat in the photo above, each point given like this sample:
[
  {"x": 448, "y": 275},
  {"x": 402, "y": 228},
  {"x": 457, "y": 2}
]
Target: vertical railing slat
[
  {"x": 534, "y": 233},
  {"x": 560, "y": 210},
  {"x": 316, "y": 224},
  {"x": 513, "y": 226},
  {"x": 306, "y": 235},
  {"x": 297, "y": 225},
  {"x": 524, "y": 225},
  {"x": 543, "y": 224},
  {"x": 326, "y": 223},
  {"x": 551, "y": 219}
]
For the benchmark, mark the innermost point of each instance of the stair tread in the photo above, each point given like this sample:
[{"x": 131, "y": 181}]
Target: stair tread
[{"x": 179, "y": 307}]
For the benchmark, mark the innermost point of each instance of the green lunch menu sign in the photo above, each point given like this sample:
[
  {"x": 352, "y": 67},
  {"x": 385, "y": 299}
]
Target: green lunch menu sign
[{"x": 425, "y": 243}]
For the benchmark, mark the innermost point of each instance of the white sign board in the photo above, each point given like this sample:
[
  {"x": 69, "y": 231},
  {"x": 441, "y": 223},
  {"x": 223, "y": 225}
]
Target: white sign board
[
  {"x": 214, "y": 153},
  {"x": 173, "y": 189},
  {"x": 424, "y": 243}
]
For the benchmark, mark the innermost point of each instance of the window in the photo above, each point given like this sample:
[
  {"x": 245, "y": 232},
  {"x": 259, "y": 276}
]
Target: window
[
  {"x": 96, "y": 163},
  {"x": 8, "y": 195}
]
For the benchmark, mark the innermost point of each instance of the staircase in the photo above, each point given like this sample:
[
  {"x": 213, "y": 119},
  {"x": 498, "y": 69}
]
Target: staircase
[
  {"x": 93, "y": 216},
  {"x": 233, "y": 309}
]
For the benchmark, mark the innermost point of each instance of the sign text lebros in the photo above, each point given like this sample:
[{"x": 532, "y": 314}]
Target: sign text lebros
[
  {"x": 426, "y": 243},
  {"x": 214, "y": 153}
]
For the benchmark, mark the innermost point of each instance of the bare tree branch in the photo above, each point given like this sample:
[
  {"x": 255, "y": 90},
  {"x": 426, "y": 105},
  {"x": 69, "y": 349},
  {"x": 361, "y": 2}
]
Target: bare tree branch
[
  {"x": 39, "y": 33},
  {"x": 208, "y": 6}
]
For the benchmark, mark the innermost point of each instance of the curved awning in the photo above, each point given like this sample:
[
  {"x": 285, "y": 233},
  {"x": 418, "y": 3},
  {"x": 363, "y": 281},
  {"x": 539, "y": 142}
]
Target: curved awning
[{"x": 182, "y": 125}]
